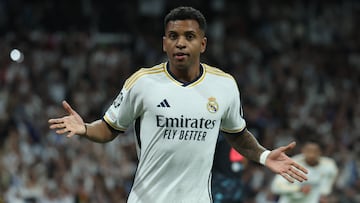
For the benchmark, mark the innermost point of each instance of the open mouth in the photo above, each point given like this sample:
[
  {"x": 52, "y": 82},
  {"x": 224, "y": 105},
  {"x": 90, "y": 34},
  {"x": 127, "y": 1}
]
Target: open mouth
[{"x": 180, "y": 56}]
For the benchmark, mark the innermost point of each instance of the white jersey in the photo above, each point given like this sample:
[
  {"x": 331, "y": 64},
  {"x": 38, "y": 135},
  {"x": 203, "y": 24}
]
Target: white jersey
[
  {"x": 176, "y": 126},
  {"x": 321, "y": 179}
]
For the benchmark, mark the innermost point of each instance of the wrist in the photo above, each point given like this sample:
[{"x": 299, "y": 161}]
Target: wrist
[
  {"x": 86, "y": 129},
  {"x": 264, "y": 156}
]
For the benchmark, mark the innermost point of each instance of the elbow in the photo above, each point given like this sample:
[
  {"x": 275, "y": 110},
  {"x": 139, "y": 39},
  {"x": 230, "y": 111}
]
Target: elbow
[{"x": 107, "y": 139}]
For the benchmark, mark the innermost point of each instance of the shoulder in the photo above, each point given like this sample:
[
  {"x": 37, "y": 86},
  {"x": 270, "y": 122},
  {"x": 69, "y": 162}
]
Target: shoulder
[
  {"x": 219, "y": 77},
  {"x": 299, "y": 158},
  {"x": 216, "y": 71},
  {"x": 143, "y": 72},
  {"x": 328, "y": 162}
]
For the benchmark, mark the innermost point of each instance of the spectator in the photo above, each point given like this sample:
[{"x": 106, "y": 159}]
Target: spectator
[
  {"x": 298, "y": 61},
  {"x": 322, "y": 175}
]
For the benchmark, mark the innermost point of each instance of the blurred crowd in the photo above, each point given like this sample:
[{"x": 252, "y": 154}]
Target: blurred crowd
[{"x": 297, "y": 64}]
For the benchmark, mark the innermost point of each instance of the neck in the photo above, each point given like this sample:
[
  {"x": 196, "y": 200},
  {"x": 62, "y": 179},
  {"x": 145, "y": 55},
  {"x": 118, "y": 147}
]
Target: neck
[{"x": 185, "y": 74}]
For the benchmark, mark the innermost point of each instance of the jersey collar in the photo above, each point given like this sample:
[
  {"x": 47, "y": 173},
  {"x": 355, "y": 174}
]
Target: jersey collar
[{"x": 185, "y": 84}]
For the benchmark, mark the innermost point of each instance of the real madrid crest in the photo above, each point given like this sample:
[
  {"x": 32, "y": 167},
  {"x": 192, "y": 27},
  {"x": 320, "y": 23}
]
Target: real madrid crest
[{"x": 212, "y": 105}]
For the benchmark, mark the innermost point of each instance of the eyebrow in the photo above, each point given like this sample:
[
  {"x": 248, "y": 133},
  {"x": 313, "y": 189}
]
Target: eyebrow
[
  {"x": 186, "y": 32},
  {"x": 191, "y": 32}
]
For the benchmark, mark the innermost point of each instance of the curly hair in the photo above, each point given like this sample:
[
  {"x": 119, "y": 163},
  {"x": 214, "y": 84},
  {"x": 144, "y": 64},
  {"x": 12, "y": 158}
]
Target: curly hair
[{"x": 186, "y": 13}]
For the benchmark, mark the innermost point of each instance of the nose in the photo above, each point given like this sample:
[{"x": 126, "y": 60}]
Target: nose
[{"x": 181, "y": 43}]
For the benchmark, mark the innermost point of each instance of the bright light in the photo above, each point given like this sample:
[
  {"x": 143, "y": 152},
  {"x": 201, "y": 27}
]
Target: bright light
[{"x": 16, "y": 55}]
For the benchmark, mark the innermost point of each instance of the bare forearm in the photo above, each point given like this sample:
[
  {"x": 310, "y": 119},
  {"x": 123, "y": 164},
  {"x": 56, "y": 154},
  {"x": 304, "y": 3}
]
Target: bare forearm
[
  {"x": 246, "y": 144},
  {"x": 98, "y": 131}
]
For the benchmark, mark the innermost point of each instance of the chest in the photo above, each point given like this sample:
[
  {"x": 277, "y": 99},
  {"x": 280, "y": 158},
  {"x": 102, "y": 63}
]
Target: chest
[
  {"x": 317, "y": 174},
  {"x": 202, "y": 101}
]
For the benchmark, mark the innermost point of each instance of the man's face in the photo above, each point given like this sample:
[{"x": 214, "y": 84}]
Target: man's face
[
  {"x": 312, "y": 153},
  {"x": 184, "y": 42}
]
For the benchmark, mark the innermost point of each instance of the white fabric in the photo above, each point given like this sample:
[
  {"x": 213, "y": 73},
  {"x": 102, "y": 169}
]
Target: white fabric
[
  {"x": 179, "y": 126},
  {"x": 321, "y": 179},
  {"x": 264, "y": 156}
]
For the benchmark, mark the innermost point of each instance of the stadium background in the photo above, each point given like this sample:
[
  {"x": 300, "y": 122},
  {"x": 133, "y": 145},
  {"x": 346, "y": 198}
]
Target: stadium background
[{"x": 297, "y": 64}]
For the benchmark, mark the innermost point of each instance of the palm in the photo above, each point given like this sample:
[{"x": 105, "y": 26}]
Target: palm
[
  {"x": 280, "y": 163},
  {"x": 71, "y": 124}
]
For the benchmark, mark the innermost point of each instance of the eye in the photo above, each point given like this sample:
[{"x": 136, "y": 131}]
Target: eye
[
  {"x": 172, "y": 36},
  {"x": 190, "y": 37}
]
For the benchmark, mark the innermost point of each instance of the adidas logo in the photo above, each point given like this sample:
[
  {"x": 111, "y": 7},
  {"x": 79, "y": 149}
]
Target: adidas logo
[{"x": 164, "y": 103}]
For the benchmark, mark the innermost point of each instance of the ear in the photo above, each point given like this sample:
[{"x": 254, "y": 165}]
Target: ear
[
  {"x": 163, "y": 45},
  {"x": 203, "y": 44}
]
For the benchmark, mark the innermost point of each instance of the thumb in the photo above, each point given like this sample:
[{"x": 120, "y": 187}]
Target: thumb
[
  {"x": 289, "y": 147},
  {"x": 67, "y": 107}
]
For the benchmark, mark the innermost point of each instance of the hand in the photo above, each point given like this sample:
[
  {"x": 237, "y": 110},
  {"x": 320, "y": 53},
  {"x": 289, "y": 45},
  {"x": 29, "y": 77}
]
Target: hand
[
  {"x": 280, "y": 163},
  {"x": 306, "y": 189},
  {"x": 71, "y": 124},
  {"x": 324, "y": 199}
]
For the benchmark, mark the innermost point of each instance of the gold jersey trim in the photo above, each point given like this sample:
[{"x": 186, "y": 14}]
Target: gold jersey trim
[
  {"x": 200, "y": 79},
  {"x": 162, "y": 68},
  {"x": 170, "y": 77},
  {"x": 216, "y": 71},
  {"x": 107, "y": 120},
  {"x": 232, "y": 131},
  {"x": 141, "y": 72},
  {"x": 192, "y": 84}
]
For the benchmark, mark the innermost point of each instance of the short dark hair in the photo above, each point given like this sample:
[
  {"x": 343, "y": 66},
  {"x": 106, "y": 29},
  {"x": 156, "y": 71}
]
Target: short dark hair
[{"x": 186, "y": 13}]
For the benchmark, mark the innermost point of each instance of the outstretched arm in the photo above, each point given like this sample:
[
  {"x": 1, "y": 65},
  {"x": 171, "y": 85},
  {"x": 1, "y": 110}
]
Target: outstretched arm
[
  {"x": 72, "y": 124},
  {"x": 276, "y": 160}
]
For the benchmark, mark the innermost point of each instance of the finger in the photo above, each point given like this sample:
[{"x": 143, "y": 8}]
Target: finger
[
  {"x": 287, "y": 147},
  {"x": 70, "y": 134},
  {"x": 287, "y": 177},
  {"x": 62, "y": 131},
  {"x": 67, "y": 107},
  {"x": 56, "y": 120},
  {"x": 56, "y": 126},
  {"x": 294, "y": 173},
  {"x": 299, "y": 167},
  {"x": 290, "y": 146}
]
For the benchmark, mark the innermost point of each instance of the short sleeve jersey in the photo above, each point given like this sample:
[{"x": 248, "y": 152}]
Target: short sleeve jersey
[{"x": 177, "y": 129}]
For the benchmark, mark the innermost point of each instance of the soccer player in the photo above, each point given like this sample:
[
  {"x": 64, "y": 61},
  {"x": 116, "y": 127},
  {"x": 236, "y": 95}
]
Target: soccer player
[
  {"x": 178, "y": 108},
  {"x": 321, "y": 177}
]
